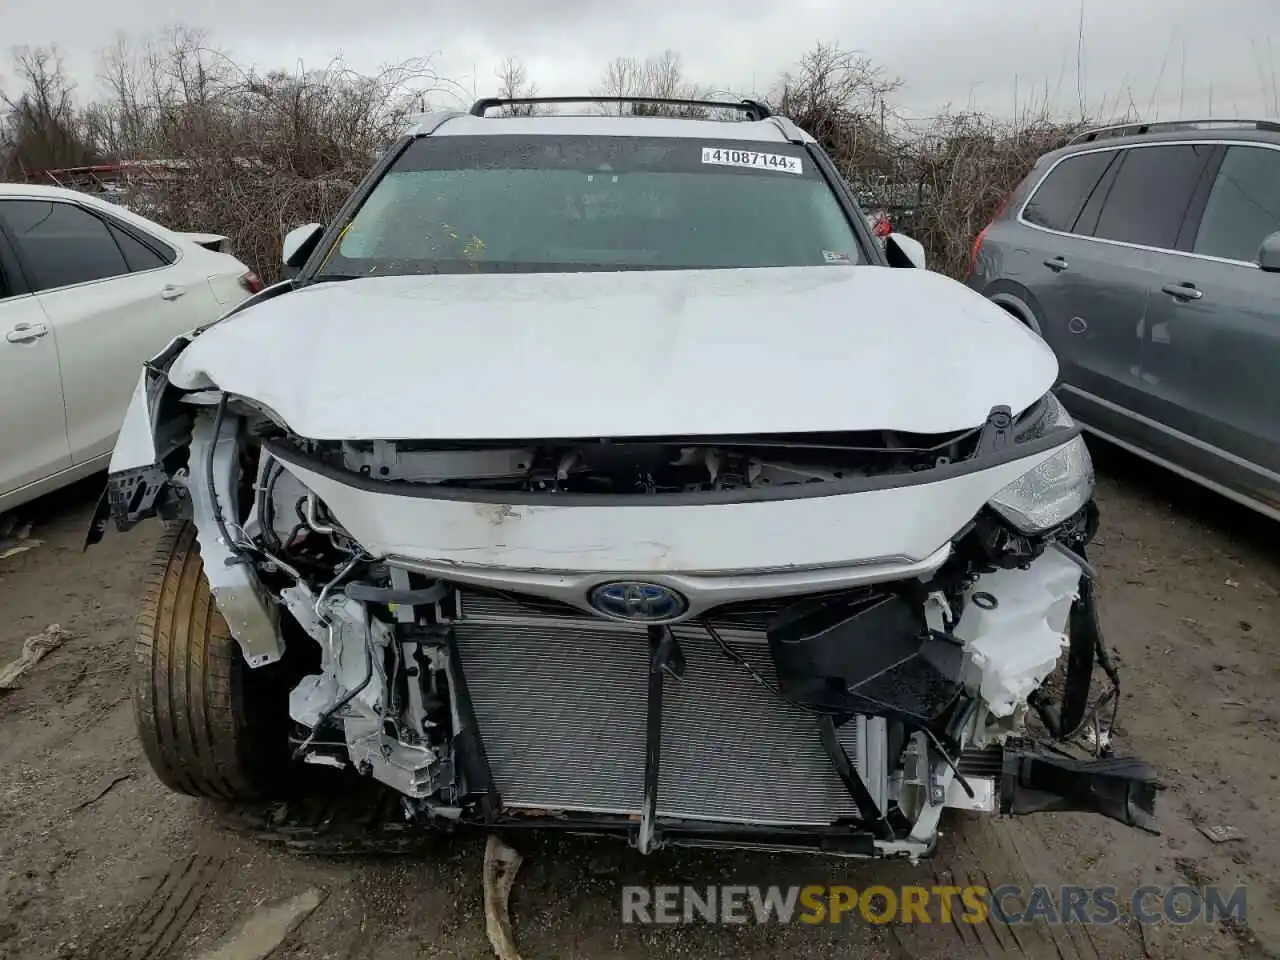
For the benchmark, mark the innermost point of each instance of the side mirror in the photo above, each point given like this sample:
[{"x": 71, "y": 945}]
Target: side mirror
[
  {"x": 1269, "y": 255},
  {"x": 298, "y": 244},
  {"x": 902, "y": 251}
]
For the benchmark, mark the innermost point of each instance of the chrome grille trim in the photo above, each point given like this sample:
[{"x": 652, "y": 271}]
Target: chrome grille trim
[
  {"x": 705, "y": 591},
  {"x": 561, "y": 699}
]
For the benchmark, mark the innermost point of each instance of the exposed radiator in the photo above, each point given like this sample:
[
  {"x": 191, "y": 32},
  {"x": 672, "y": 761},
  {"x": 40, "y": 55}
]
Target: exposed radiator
[{"x": 560, "y": 699}]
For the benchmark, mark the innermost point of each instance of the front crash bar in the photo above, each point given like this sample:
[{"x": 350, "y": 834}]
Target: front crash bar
[
  {"x": 853, "y": 782},
  {"x": 665, "y": 656},
  {"x": 468, "y": 740},
  {"x": 243, "y": 603}
]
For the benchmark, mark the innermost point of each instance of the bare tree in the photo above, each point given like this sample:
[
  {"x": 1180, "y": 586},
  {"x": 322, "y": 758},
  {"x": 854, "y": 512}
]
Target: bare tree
[
  {"x": 659, "y": 76},
  {"x": 664, "y": 77},
  {"x": 841, "y": 98},
  {"x": 623, "y": 77},
  {"x": 42, "y": 129},
  {"x": 514, "y": 84},
  {"x": 167, "y": 83}
]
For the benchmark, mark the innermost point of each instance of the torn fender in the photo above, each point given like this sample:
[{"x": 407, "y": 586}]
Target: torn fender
[
  {"x": 154, "y": 426},
  {"x": 136, "y": 478}
]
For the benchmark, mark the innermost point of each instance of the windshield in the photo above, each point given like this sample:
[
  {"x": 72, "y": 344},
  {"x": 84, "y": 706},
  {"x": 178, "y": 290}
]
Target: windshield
[{"x": 505, "y": 203}]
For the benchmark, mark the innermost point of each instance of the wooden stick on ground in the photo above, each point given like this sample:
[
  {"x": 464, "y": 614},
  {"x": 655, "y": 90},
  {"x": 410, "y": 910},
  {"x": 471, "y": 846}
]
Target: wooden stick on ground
[{"x": 500, "y": 865}]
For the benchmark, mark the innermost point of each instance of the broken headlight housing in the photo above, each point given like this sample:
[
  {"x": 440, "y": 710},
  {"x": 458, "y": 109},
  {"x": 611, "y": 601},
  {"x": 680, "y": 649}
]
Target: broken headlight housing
[
  {"x": 1045, "y": 416},
  {"x": 1054, "y": 489}
]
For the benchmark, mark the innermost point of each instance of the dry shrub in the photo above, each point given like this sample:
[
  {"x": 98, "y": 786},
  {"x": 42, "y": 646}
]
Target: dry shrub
[
  {"x": 958, "y": 170},
  {"x": 245, "y": 154},
  {"x": 940, "y": 180}
]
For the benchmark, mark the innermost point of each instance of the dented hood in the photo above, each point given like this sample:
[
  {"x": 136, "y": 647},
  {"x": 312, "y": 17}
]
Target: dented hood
[{"x": 624, "y": 354}]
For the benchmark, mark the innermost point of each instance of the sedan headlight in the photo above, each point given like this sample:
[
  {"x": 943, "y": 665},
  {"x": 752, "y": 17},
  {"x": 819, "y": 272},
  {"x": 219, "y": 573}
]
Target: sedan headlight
[{"x": 1050, "y": 492}]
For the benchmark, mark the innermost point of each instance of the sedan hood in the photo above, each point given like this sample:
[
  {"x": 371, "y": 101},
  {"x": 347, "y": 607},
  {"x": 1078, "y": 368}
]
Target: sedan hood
[{"x": 693, "y": 353}]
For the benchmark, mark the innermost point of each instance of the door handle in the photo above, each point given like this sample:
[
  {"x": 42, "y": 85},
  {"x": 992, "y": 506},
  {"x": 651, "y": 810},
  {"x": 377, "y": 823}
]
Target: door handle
[
  {"x": 172, "y": 293},
  {"x": 27, "y": 332},
  {"x": 1183, "y": 291},
  {"x": 1056, "y": 264}
]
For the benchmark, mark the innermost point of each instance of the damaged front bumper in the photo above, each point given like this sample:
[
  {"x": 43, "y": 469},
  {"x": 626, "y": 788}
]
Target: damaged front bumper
[
  {"x": 729, "y": 730},
  {"x": 723, "y": 670}
]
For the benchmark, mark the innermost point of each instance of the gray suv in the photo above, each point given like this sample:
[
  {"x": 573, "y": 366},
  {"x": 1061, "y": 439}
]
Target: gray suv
[{"x": 1148, "y": 257}]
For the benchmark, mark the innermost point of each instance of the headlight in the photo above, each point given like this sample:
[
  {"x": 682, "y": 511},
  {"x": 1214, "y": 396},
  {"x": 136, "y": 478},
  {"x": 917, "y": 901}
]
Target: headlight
[{"x": 1050, "y": 492}]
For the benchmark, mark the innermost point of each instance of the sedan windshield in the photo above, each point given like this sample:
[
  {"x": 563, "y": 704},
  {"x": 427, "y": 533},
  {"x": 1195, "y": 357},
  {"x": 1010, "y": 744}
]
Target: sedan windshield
[{"x": 507, "y": 203}]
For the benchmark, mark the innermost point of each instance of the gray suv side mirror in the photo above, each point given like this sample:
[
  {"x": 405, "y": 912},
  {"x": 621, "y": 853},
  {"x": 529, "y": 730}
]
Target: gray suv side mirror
[{"x": 1269, "y": 255}]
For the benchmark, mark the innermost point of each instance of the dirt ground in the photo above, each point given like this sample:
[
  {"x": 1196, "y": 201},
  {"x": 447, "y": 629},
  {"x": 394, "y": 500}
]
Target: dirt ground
[{"x": 97, "y": 860}]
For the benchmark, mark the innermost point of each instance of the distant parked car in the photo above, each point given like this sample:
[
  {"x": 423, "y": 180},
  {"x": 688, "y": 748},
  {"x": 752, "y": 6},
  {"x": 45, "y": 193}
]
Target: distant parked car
[
  {"x": 1148, "y": 257},
  {"x": 88, "y": 290}
]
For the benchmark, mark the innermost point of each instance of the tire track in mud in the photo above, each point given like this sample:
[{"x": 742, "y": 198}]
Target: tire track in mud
[
  {"x": 991, "y": 854},
  {"x": 165, "y": 910},
  {"x": 1015, "y": 855},
  {"x": 984, "y": 853}
]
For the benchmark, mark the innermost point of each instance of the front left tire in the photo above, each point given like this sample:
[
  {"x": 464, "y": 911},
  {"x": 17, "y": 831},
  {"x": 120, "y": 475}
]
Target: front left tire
[{"x": 209, "y": 725}]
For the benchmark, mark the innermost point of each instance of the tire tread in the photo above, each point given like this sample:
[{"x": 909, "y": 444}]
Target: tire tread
[{"x": 189, "y": 702}]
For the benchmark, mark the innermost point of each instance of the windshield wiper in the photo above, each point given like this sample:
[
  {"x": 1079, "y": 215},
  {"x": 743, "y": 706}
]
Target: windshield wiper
[{"x": 326, "y": 277}]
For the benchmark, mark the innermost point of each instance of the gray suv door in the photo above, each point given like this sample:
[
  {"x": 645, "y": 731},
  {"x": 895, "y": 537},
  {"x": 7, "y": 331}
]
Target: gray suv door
[
  {"x": 1096, "y": 306},
  {"x": 1211, "y": 362},
  {"x": 1090, "y": 302}
]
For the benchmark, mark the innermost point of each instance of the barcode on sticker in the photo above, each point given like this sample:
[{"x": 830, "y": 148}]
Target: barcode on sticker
[{"x": 726, "y": 157}]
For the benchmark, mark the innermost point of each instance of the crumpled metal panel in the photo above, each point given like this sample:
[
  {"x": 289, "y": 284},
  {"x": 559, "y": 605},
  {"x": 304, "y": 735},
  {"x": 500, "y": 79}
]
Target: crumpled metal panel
[{"x": 241, "y": 600}]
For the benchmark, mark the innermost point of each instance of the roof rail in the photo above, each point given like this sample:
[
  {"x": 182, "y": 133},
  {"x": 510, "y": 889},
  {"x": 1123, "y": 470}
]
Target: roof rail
[
  {"x": 789, "y": 130},
  {"x": 417, "y": 124},
  {"x": 753, "y": 109},
  {"x": 1135, "y": 127}
]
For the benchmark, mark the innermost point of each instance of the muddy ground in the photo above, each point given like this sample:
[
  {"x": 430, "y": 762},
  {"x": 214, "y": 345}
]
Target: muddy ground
[{"x": 97, "y": 860}]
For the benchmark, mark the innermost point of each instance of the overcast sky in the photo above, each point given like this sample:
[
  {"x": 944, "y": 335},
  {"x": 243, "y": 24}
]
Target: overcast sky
[{"x": 1202, "y": 55}]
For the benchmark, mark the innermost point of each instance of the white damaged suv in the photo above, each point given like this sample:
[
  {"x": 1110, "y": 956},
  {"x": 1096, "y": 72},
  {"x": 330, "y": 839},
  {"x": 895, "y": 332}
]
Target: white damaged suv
[{"x": 604, "y": 473}]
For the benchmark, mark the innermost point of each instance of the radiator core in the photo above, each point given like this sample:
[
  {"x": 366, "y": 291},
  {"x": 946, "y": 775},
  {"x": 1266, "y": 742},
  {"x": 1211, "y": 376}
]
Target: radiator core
[{"x": 560, "y": 698}]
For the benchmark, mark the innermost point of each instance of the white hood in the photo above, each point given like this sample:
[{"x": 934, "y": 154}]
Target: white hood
[{"x": 625, "y": 354}]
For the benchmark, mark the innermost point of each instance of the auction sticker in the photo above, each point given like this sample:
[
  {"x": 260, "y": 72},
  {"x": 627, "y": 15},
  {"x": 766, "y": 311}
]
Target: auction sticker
[{"x": 732, "y": 157}]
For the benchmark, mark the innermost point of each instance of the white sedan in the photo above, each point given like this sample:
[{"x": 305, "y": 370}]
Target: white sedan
[{"x": 88, "y": 291}]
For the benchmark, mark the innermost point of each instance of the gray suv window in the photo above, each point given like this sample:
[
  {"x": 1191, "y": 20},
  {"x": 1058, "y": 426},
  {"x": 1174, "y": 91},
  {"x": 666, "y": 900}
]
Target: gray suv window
[
  {"x": 1058, "y": 201},
  {"x": 1244, "y": 206},
  {"x": 1150, "y": 194}
]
